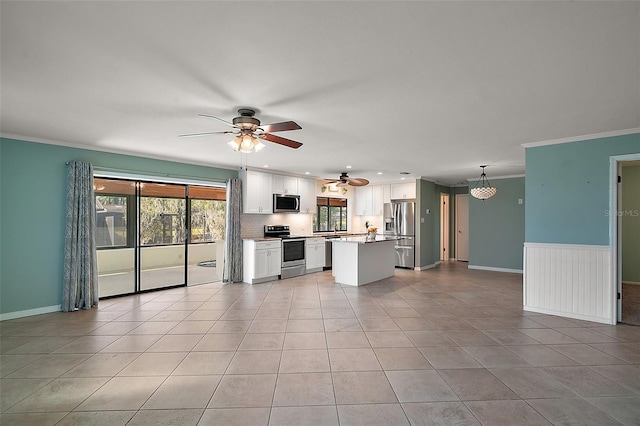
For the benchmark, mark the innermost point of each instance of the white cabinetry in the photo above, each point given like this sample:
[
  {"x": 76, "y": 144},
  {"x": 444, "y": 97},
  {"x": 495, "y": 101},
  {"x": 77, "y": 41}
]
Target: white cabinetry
[
  {"x": 403, "y": 191},
  {"x": 314, "y": 254},
  {"x": 386, "y": 193},
  {"x": 376, "y": 200},
  {"x": 285, "y": 184},
  {"x": 369, "y": 200},
  {"x": 307, "y": 191},
  {"x": 363, "y": 201},
  {"x": 262, "y": 260},
  {"x": 257, "y": 192}
]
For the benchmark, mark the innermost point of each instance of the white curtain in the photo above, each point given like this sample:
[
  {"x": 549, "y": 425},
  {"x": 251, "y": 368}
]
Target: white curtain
[
  {"x": 80, "y": 285},
  {"x": 232, "y": 271}
]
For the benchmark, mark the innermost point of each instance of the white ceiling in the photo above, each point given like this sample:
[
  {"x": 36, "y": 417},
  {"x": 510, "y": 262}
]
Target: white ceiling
[{"x": 431, "y": 88}]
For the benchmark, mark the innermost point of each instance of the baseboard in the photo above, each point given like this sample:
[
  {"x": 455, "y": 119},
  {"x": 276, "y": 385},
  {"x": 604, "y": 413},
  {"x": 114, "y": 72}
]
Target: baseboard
[
  {"x": 567, "y": 315},
  {"x": 30, "y": 312},
  {"x": 631, "y": 282},
  {"x": 490, "y": 268},
  {"x": 424, "y": 268}
]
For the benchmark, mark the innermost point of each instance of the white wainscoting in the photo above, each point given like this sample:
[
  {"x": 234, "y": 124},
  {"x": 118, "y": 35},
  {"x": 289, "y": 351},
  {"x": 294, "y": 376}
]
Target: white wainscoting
[{"x": 569, "y": 280}]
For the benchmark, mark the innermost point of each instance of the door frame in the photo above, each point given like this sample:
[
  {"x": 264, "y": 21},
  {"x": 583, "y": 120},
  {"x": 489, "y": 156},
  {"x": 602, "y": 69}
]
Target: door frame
[
  {"x": 615, "y": 239},
  {"x": 458, "y": 197},
  {"x": 444, "y": 226}
]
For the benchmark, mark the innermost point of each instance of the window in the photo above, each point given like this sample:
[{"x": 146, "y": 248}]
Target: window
[
  {"x": 113, "y": 201},
  {"x": 331, "y": 214},
  {"x": 208, "y": 210}
]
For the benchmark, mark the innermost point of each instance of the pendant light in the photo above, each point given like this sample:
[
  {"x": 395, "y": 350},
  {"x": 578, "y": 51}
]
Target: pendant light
[{"x": 486, "y": 190}]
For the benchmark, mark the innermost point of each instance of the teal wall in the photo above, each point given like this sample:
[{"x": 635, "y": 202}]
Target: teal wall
[
  {"x": 32, "y": 214},
  {"x": 630, "y": 220},
  {"x": 567, "y": 190},
  {"x": 429, "y": 231},
  {"x": 496, "y": 226},
  {"x": 425, "y": 255},
  {"x": 453, "y": 227}
]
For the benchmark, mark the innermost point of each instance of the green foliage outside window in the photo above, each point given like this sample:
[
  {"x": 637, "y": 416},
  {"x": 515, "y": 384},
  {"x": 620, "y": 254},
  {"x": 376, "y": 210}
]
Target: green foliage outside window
[{"x": 331, "y": 215}]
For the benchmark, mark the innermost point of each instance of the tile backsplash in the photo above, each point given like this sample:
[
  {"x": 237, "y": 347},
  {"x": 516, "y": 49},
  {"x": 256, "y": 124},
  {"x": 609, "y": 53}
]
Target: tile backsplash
[{"x": 252, "y": 225}]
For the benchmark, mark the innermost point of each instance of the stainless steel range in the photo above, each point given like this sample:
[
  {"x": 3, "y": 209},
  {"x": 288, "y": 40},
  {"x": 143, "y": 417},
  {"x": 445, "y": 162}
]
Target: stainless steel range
[{"x": 293, "y": 251}]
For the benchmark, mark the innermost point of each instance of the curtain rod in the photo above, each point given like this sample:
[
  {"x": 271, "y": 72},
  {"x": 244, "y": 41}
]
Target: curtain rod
[{"x": 155, "y": 177}]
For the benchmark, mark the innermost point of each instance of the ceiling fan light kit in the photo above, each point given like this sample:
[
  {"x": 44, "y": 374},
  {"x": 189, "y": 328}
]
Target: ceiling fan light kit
[
  {"x": 486, "y": 190},
  {"x": 248, "y": 132},
  {"x": 246, "y": 143}
]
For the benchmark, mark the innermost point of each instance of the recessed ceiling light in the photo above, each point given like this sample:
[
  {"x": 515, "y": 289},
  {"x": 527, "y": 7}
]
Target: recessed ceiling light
[
  {"x": 266, "y": 166},
  {"x": 402, "y": 178},
  {"x": 379, "y": 173},
  {"x": 307, "y": 173},
  {"x": 348, "y": 167}
]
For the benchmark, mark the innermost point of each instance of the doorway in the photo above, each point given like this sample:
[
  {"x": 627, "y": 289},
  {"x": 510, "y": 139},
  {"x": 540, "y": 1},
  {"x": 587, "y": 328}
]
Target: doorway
[
  {"x": 154, "y": 235},
  {"x": 462, "y": 227},
  {"x": 629, "y": 241},
  {"x": 444, "y": 227},
  {"x": 624, "y": 222}
]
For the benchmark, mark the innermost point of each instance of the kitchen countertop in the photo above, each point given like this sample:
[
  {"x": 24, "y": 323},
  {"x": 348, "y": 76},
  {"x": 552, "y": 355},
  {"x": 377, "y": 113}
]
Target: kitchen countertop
[
  {"x": 337, "y": 235},
  {"x": 363, "y": 239},
  {"x": 327, "y": 235}
]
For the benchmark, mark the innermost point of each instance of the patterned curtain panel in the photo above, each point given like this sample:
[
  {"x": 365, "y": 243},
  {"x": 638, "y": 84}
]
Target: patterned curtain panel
[
  {"x": 232, "y": 271},
  {"x": 80, "y": 285}
]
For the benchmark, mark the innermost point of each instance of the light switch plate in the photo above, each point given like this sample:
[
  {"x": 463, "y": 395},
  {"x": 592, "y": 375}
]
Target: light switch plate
[{"x": 422, "y": 220}]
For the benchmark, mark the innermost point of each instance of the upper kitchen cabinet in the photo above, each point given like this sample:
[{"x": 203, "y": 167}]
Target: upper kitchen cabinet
[
  {"x": 257, "y": 192},
  {"x": 377, "y": 200},
  {"x": 285, "y": 185},
  {"x": 369, "y": 200},
  {"x": 307, "y": 192},
  {"x": 386, "y": 193},
  {"x": 404, "y": 190}
]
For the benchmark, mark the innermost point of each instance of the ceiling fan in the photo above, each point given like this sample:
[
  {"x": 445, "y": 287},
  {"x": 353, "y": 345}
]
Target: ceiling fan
[
  {"x": 345, "y": 180},
  {"x": 249, "y": 133}
]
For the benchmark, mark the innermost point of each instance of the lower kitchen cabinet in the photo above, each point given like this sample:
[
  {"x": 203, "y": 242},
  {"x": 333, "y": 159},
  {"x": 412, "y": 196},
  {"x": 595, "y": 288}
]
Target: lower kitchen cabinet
[
  {"x": 314, "y": 254},
  {"x": 262, "y": 260}
]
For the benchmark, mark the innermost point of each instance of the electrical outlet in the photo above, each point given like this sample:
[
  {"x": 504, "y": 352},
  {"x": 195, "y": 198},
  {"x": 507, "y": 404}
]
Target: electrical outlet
[
  {"x": 519, "y": 200},
  {"x": 422, "y": 220}
]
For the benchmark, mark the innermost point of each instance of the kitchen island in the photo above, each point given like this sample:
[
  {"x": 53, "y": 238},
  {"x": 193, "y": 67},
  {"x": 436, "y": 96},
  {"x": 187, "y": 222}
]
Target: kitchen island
[{"x": 361, "y": 260}]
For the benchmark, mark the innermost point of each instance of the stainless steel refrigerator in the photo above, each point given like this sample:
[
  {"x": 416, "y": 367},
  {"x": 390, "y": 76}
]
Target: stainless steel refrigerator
[{"x": 399, "y": 221}]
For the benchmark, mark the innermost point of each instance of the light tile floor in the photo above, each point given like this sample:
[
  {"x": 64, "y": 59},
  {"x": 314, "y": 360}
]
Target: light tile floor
[{"x": 443, "y": 346}]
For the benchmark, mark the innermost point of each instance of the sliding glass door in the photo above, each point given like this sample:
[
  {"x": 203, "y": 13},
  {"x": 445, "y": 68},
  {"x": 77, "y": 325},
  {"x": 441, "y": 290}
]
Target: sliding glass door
[
  {"x": 154, "y": 235},
  {"x": 207, "y": 213},
  {"x": 163, "y": 235},
  {"x": 115, "y": 236}
]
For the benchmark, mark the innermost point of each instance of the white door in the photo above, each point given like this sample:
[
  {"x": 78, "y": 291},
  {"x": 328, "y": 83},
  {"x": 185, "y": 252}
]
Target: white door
[
  {"x": 462, "y": 227},
  {"x": 444, "y": 227}
]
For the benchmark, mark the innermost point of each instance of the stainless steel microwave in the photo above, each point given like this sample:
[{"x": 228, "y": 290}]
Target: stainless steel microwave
[{"x": 286, "y": 203}]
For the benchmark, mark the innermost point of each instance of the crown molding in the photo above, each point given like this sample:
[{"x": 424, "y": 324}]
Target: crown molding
[
  {"x": 582, "y": 138},
  {"x": 112, "y": 151},
  {"x": 497, "y": 177}
]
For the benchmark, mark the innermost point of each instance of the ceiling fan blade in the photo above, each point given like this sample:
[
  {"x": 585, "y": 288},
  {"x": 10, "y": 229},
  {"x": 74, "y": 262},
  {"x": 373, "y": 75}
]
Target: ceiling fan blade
[
  {"x": 205, "y": 134},
  {"x": 358, "y": 182},
  {"x": 280, "y": 140},
  {"x": 330, "y": 181},
  {"x": 218, "y": 118},
  {"x": 341, "y": 184},
  {"x": 281, "y": 127}
]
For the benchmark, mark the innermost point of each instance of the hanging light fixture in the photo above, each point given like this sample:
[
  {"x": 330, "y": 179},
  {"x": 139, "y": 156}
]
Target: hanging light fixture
[
  {"x": 246, "y": 142},
  {"x": 486, "y": 190}
]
